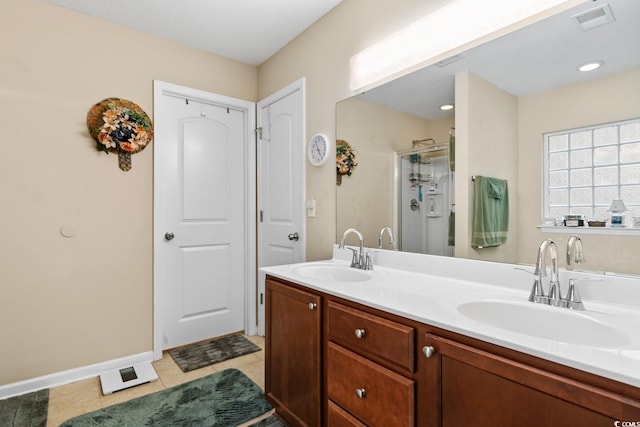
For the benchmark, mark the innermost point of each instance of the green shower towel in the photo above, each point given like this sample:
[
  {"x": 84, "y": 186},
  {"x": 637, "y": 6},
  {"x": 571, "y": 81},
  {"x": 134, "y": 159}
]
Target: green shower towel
[
  {"x": 452, "y": 229},
  {"x": 490, "y": 212},
  {"x": 452, "y": 153}
]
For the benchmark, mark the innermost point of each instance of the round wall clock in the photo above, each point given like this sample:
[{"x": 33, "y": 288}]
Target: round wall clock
[{"x": 319, "y": 149}]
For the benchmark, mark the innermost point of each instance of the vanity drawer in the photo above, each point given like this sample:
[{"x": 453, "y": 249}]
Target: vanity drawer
[
  {"x": 338, "y": 417},
  {"x": 373, "y": 394},
  {"x": 371, "y": 335}
]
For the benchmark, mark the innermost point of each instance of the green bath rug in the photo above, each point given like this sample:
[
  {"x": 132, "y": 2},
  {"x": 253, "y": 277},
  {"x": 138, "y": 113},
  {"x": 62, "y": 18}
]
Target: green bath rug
[
  {"x": 27, "y": 410},
  {"x": 223, "y": 399},
  {"x": 207, "y": 353}
]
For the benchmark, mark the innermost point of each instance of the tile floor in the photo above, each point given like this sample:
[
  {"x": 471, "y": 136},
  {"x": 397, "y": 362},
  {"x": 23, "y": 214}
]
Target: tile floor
[{"x": 78, "y": 398}]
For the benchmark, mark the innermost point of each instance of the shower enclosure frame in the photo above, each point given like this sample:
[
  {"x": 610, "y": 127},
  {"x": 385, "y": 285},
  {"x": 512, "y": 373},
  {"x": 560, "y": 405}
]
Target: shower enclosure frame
[{"x": 397, "y": 176}]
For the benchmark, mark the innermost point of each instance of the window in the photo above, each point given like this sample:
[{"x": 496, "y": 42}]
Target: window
[{"x": 585, "y": 169}]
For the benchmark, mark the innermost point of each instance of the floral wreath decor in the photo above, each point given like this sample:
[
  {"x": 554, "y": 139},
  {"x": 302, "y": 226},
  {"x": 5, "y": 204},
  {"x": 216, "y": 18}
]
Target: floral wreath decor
[
  {"x": 119, "y": 126},
  {"x": 345, "y": 160}
]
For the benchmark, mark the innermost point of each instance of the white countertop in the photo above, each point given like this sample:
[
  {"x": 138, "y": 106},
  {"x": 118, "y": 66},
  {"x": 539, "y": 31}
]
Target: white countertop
[{"x": 429, "y": 289}]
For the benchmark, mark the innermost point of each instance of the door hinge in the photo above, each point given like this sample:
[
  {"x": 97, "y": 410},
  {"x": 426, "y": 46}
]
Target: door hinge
[
  {"x": 261, "y": 298},
  {"x": 261, "y": 136},
  {"x": 261, "y": 216}
]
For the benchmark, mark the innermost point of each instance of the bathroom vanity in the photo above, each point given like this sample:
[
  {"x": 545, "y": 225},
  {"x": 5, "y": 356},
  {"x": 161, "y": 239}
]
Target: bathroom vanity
[{"x": 415, "y": 342}]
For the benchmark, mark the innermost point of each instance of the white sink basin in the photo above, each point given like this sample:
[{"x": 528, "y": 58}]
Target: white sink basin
[
  {"x": 553, "y": 323},
  {"x": 337, "y": 273}
]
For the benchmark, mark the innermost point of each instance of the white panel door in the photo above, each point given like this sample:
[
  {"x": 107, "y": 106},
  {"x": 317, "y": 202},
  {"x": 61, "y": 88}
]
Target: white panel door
[
  {"x": 203, "y": 252},
  {"x": 281, "y": 179},
  {"x": 281, "y": 161}
]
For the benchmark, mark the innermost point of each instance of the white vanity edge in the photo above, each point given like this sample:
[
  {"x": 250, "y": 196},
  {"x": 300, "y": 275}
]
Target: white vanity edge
[{"x": 622, "y": 293}]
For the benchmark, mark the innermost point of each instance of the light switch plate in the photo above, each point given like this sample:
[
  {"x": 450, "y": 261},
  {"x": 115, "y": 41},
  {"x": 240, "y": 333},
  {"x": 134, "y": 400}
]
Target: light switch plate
[{"x": 311, "y": 207}]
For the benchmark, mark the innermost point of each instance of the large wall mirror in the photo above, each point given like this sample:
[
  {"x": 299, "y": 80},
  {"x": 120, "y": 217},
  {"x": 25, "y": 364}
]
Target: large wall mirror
[{"x": 507, "y": 93}]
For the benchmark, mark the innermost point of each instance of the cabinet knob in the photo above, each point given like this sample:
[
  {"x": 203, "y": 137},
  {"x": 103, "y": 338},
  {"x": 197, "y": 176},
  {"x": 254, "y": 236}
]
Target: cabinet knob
[
  {"x": 428, "y": 351},
  {"x": 313, "y": 306},
  {"x": 361, "y": 393},
  {"x": 360, "y": 333}
]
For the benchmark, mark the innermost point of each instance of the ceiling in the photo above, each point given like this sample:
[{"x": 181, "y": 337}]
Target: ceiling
[
  {"x": 534, "y": 59},
  {"x": 249, "y": 31},
  {"x": 540, "y": 57}
]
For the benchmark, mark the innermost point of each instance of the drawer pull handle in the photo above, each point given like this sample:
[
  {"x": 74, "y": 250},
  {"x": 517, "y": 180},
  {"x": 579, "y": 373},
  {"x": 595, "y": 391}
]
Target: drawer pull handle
[
  {"x": 428, "y": 351},
  {"x": 361, "y": 393},
  {"x": 360, "y": 333},
  {"x": 313, "y": 306}
]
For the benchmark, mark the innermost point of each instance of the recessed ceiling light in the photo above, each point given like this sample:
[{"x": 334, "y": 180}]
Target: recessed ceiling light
[
  {"x": 446, "y": 107},
  {"x": 590, "y": 66}
]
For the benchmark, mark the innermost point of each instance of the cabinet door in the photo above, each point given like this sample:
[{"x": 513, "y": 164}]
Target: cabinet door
[
  {"x": 464, "y": 385},
  {"x": 293, "y": 353}
]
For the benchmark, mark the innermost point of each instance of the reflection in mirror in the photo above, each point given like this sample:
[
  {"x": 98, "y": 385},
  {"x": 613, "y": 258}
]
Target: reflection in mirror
[
  {"x": 508, "y": 93},
  {"x": 424, "y": 187},
  {"x": 367, "y": 199}
]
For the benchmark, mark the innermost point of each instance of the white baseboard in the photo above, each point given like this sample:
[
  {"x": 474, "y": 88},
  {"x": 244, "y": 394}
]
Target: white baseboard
[{"x": 72, "y": 375}]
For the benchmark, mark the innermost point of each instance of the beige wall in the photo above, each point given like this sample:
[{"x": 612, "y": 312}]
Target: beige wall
[
  {"x": 486, "y": 145},
  {"x": 70, "y": 302},
  {"x": 604, "y": 100}
]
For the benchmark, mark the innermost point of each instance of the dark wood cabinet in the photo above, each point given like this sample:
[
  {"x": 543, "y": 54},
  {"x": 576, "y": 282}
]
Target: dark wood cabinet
[
  {"x": 464, "y": 385},
  {"x": 333, "y": 362},
  {"x": 293, "y": 350}
]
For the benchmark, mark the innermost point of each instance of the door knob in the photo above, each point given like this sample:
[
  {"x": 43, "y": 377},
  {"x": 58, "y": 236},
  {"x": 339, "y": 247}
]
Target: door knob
[
  {"x": 294, "y": 236},
  {"x": 169, "y": 235}
]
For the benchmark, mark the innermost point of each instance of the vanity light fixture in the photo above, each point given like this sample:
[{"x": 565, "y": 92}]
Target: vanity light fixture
[
  {"x": 459, "y": 24},
  {"x": 590, "y": 66},
  {"x": 446, "y": 107}
]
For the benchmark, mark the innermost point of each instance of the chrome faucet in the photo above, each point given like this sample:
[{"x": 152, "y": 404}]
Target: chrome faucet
[
  {"x": 574, "y": 244},
  {"x": 360, "y": 259},
  {"x": 391, "y": 239},
  {"x": 537, "y": 293}
]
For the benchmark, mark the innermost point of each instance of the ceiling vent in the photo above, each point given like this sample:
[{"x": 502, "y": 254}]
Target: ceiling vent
[{"x": 593, "y": 18}]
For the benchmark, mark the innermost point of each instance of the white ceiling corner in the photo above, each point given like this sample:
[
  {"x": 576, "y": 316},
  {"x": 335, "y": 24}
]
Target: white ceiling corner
[{"x": 249, "y": 31}]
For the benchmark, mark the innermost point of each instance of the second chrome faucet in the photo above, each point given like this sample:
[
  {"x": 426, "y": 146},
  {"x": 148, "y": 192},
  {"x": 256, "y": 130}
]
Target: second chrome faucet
[
  {"x": 537, "y": 293},
  {"x": 360, "y": 259},
  {"x": 554, "y": 297}
]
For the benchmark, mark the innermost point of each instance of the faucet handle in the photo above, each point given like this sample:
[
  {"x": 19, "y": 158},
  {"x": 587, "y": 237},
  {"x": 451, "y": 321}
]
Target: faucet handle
[
  {"x": 368, "y": 264},
  {"x": 573, "y": 298},
  {"x": 537, "y": 292},
  {"x": 355, "y": 262},
  {"x": 526, "y": 271}
]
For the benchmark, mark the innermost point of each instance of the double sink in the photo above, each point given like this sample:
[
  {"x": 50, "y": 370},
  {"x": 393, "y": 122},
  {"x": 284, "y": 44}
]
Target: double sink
[{"x": 592, "y": 328}]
